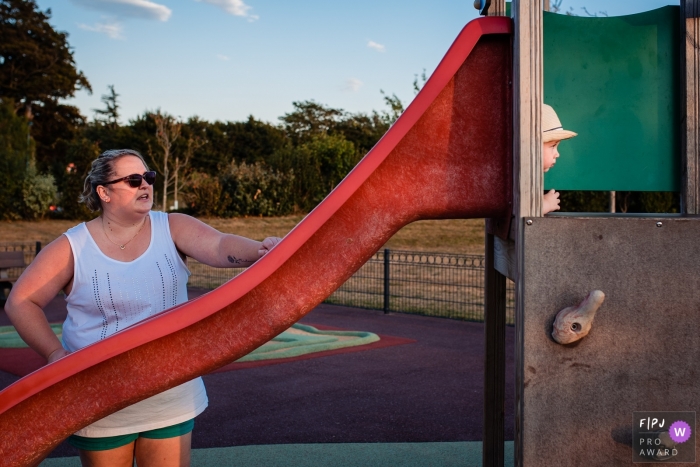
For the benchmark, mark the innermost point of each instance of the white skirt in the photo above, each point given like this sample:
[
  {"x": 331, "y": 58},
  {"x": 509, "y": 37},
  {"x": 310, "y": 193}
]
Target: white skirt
[{"x": 170, "y": 407}]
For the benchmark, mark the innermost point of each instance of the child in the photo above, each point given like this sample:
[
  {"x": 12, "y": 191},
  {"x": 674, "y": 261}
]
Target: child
[{"x": 552, "y": 134}]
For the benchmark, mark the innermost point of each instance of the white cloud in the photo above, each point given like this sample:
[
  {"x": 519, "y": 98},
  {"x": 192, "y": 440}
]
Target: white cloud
[
  {"x": 233, "y": 7},
  {"x": 376, "y": 46},
  {"x": 352, "y": 85},
  {"x": 113, "y": 29},
  {"x": 144, "y": 9},
  {"x": 223, "y": 57}
]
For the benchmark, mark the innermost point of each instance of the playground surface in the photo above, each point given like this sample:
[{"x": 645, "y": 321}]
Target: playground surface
[{"x": 418, "y": 402}]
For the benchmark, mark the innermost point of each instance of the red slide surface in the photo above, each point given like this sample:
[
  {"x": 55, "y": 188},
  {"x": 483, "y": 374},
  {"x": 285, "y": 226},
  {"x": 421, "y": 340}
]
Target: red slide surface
[{"x": 447, "y": 156}]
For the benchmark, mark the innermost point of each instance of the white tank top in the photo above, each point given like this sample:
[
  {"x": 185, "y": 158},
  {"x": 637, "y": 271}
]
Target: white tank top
[{"x": 109, "y": 295}]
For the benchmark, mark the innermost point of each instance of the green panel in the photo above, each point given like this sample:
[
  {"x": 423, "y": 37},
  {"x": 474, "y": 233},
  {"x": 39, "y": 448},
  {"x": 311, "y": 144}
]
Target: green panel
[{"x": 614, "y": 81}]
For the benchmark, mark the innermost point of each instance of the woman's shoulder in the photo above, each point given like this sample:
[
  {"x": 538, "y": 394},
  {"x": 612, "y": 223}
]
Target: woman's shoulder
[
  {"x": 58, "y": 252},
  {"x": 177, "y": 219},
  {"x": 183, "y": 226},
  {"x": 159, "y": 222},
  {"x": 76, "y": 230}
]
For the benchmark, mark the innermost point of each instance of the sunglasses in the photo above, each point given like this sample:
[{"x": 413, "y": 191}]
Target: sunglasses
[{"x": 134, "y": 180}]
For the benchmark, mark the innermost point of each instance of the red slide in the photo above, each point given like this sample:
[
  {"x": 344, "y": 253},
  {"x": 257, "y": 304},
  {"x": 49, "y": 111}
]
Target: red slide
[{"x": 448, "y": 156}]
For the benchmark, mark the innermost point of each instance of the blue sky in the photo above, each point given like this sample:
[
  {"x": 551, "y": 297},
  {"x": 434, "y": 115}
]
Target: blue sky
[{"x": 228, "y": 59}]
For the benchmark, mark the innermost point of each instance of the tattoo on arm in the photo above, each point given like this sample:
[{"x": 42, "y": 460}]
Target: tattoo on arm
[{"x": 234, "y": 260}]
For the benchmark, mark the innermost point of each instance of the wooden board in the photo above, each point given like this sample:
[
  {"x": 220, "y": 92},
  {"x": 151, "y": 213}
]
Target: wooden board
[
  {"x": 576, "y": 402},
  {"x": 690, "y": 105}
]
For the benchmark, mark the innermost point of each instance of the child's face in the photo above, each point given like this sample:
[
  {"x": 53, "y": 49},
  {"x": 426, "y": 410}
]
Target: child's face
[{"x": 550, "y": 153}]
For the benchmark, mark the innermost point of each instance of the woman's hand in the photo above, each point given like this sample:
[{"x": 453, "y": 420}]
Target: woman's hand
[
  {"x": 267, "y": 245},
  {"x": 57, "y": 354}
]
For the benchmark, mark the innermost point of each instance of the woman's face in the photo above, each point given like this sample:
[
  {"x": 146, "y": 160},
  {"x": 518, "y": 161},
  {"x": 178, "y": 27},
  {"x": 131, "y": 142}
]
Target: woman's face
[{"x": 121, "y": 195}]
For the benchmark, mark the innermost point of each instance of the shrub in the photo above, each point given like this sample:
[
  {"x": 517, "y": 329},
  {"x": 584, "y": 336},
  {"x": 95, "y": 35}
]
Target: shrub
[
  {"x": 318, "y": 166},
  {"x": 256, "y": 190},
  {"x": 625, "y": 201},
  {"x": 38, "y": 193},
  {"x": 204, "y": 195}
]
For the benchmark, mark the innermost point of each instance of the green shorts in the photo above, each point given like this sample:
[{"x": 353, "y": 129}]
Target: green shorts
[{"x": 112, "y": 442}]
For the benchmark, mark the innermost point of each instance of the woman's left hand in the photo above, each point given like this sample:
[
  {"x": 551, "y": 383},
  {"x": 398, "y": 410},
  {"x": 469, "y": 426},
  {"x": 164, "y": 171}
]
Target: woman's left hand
[{"x": 267, "y": 245}]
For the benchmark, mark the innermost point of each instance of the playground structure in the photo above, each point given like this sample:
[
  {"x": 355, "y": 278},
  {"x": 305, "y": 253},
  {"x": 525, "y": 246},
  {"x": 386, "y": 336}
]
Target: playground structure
[
  {"x": 468, "y": 146},
  {"x": 629, "y": 87},
  {"x": 445, "y": 157}
]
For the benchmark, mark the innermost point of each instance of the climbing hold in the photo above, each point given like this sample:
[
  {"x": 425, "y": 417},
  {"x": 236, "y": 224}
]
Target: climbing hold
[{"x": 574, "y": 322}]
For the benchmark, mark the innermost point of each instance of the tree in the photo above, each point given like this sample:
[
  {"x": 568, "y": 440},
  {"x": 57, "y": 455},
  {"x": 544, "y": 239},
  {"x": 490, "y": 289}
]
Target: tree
[
  {"x": 53, "y": 125},
  {"x": 249, "y": 141},
  {"x": 417, "y": 85},
  {"x": 15, "y": 153},
  {"x": 37, "y": 70},
  {"x": 193, "y": 143},
  {"x": 80, "y": 152},
  {"x": 395, "y": 105},
  {"x": 310, "y": 119},
  {"x": 363, "y": 130},
  {"x": 168, "y": 130},
  {"x": 36, "y": 62},
  {"x": 110, "y": 114},
  {"x": 24, "y": 193},
  {"x": 555, "y": 7}
]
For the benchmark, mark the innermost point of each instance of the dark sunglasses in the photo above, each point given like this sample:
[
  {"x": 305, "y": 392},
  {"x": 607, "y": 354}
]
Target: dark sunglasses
[{"x": 134, "y": 180}]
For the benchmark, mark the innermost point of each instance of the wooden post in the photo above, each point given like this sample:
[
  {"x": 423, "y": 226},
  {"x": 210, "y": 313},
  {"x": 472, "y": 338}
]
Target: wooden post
[
  {"x": 495, "y": 360},
  {"x": 527, "y": 111},
  {"x": 494, "y": 341},
  {"x": 527, "y": 172},
  {"x": 497, "y": 8},
  {"x": 690, "y": 105}
]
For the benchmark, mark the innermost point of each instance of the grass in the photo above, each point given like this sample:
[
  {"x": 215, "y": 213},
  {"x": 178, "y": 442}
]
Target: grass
[{"x": 464, "y": 236}]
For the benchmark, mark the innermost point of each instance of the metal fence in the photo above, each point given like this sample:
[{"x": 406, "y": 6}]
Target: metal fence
[
  {"x": 30, "y": 250},
  {"x": 9, "y": 274},
  {"x": 432, "y": 284},
  {"x": 207, "y": 277}
]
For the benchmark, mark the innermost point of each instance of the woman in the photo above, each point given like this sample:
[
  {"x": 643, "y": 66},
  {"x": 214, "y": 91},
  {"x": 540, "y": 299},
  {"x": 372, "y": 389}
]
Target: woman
[{"x": 116, "y": 270}]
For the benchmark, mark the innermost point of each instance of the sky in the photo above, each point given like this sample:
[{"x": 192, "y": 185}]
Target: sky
[{"x": 229, "y": 59}]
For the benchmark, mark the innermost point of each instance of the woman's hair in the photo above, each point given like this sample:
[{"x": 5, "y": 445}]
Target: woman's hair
[{"x": 102, "y": 171}]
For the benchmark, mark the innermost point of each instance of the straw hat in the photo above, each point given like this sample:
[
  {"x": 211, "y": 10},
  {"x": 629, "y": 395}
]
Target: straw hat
[{"x": 552, "y": 129}]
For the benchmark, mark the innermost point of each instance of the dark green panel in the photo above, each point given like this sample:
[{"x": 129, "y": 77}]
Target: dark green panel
[{"x": 615, "y": 82}]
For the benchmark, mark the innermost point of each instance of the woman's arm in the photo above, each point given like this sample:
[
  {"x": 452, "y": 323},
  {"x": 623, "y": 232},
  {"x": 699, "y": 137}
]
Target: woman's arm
[
  {"x": 209, "y": 246},
  {"x": 49, "y": 273}
]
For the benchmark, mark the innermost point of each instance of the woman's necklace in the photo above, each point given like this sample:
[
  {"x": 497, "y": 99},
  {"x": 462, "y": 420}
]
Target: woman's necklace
[{"x": 121, "y": 247}]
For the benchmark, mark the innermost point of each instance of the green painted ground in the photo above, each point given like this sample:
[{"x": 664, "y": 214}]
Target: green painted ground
[
  {"x": 9, "y": 338},
  {"x": 298, "y": 340},
  {"x": 457, "y": 454}
]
